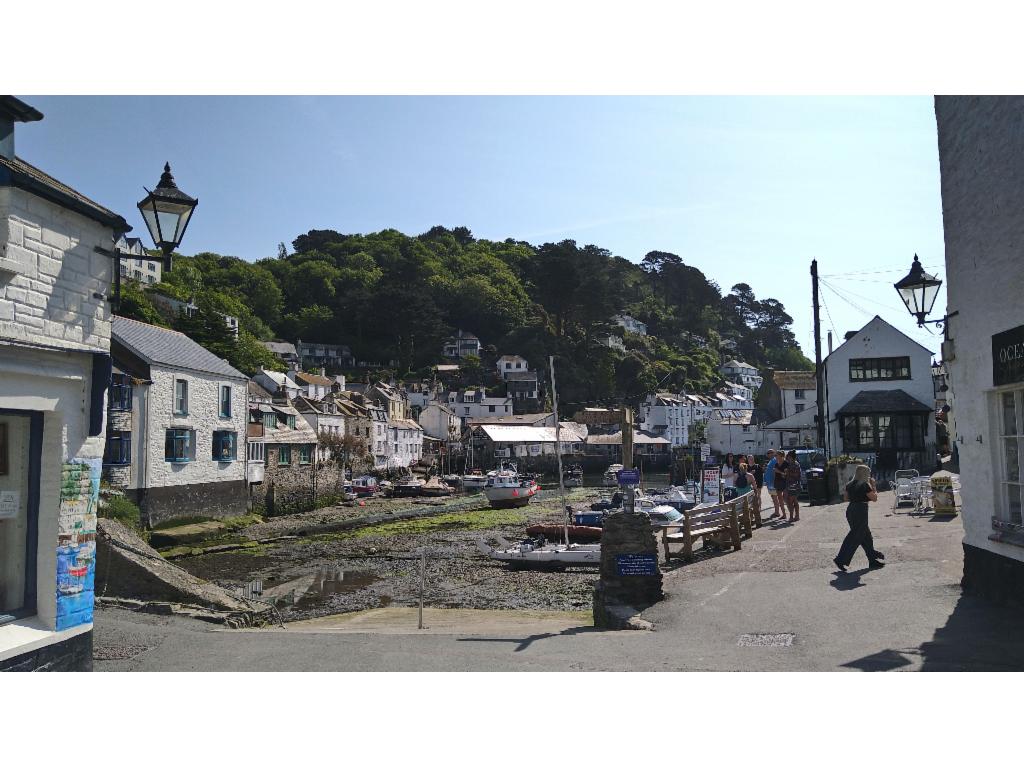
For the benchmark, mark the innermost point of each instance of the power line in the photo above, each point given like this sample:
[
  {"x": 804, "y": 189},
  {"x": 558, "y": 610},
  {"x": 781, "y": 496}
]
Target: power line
[
  {"x": 881, "y": 271},
  {"x": 848, "y": 292}
]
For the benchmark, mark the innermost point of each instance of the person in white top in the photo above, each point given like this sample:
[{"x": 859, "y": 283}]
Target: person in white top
[{"x": 729, "y": 471}]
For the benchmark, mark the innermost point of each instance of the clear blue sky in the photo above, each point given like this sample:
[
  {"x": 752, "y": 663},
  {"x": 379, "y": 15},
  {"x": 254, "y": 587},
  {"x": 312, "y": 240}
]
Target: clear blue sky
[{"x": 747, "y": 189}]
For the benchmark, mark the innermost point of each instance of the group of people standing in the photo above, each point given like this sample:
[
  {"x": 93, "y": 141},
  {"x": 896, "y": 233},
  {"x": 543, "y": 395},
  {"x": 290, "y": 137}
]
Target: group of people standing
[{"x": 782, "y": 478}]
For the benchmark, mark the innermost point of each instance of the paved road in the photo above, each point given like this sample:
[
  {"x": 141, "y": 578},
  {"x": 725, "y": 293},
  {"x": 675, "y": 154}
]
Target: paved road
[{"x": 781, "y": 589}]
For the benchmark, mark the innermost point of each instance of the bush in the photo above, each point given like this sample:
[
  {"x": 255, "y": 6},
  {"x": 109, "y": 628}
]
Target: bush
[{"x": 123, "y": 510}]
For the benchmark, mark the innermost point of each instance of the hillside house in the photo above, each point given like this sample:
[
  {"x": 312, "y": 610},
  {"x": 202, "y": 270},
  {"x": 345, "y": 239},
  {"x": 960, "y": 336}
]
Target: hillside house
[
  {"x": 666, "y": 415},
  {"x": 475, "y": 404},
  {"x": 133, "y": 266},
  {"x": 507, "y": 364},
  {"x": 630, "y": 324},
  {"x": 440, "y": 422},
  {"x": 741, "y": 373},
  {"x": 313, "y": 386},
  {"x": 284, "y": 351},
  {"x": 332, "y": 357},
  {"x": 278, "y": 384},
  {"x": 524, "y": 390},
  {"x": 461, "y": 345}
]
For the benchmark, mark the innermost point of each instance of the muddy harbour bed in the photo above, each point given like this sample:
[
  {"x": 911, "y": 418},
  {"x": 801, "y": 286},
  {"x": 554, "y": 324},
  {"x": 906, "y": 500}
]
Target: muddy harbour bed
[{"x": 379, "y": 565}]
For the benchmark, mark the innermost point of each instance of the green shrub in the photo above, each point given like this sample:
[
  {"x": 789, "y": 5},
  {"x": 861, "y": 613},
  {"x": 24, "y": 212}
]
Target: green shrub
[{"x": 123, "y": 510}]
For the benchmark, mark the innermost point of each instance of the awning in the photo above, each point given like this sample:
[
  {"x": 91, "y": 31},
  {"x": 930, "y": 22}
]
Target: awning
[{"x": 883, "y": 401}]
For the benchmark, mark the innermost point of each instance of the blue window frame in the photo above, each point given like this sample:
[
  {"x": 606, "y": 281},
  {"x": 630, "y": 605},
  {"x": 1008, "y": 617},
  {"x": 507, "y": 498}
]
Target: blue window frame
[
  {"x": 225, "y": 445},
  {"x": 180, "y": 397},
  {"x": 225, "y": 401},
  {"x": 118, "y": 450},
  {"x": 305, "y": 454},
  {"x": 120, "y": 392},
  {"x": 180, "y": 445}
]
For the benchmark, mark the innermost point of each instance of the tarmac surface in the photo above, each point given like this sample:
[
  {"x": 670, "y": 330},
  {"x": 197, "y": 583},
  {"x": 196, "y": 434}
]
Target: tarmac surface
[{"x": 777, "y": 605}]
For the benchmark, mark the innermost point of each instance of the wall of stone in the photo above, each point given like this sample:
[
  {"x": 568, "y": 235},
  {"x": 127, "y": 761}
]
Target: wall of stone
[
  {"x": 217, "y": 500},
  {"x": 52, "y": 275},
  {"x": 71, "y": 655}
]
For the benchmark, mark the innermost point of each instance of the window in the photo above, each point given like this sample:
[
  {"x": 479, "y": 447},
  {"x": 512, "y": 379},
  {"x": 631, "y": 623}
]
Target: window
[
  {"x": 879, "y": 368},
  {"x": 284, "y": 455},
  {"x": 269, "y": 420},
  {"x": 291, "y": 422},
  {"x": 1011, "y": 435},
  {"x": 124, "y": 270},
  {"x": 256, "y": 451},
  {"x": 871, "y": 432},
  {"x": 180, "y": 397},
  {"x": 799, "y": 407},
  {"x": 490, "y": 408},
  {"x": 798, "y": 394},
  {"x": 224, "y": 445},
  {"x": 225, "y": 401},
  {"x": 137, "y": 275},
  {"x": 152, "y": 266},
  {"x": 119, "y": 396},
  {"x": 151, "y": 279},
  {"x": 138, "y": 262},
  {"x": 180, "y": 445},
  {"x": 305, "y": 452},
  {"x": 118, "y": 449}
]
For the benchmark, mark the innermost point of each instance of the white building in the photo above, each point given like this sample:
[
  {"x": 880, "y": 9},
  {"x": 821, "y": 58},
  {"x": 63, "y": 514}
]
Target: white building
[
  {"x": 665, "y": 414},
  {"x": 133, "y": 267},
  {"x": 511, "y": 364},
  {"x": 462, "y": 344},
  {"x": 475, "y": 404},
  {"x": 325, "y": 419},
  {"x": 520, "y": 441},
  {"x": 741, "y": 373},
  {"x": 732, "y": 430},
  {"x": 631, "y": 324},
  {"x": 311, "y": 385},
  {"x": 798, "y": 430},
  {"x": 879, "y": 399},
  {"x": 277, "y": 383},
  {"x": 189, "y": 411},
  {"x": 798, "y": 391},
  {"x": 440, "y": 422},
  {"x": 405, "y": 443},
  {"x": 981, "y": 158},
  {"x": 54, "y": 371}
]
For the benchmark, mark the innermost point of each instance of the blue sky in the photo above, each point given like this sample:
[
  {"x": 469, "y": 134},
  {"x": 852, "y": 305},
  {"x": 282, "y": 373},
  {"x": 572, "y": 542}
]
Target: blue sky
[{"x": 747, "y": 189}]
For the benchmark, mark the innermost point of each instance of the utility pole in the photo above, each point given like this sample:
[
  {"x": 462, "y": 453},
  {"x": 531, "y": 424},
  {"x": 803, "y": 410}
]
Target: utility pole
[{"x": 819, "y": 379}]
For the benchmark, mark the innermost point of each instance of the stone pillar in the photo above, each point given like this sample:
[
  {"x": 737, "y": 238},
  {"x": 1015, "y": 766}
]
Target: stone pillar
[{"x": 630, "y": 577}]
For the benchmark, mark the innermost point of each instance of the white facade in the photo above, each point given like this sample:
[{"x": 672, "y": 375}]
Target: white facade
[
  {"x": 277, "y": 383},
  {"x": 474, "y": 404},
  {"x": 981, "y": 156},
  {"x": 440, "y": 422},
  {"x": 732, "y": 431},
  {"x": 741, "y": 373},
  {"x": 405, "y": 443},
  {"x": 631, "y": 324},
  {"x": 877, "y": 341},
  {"x": 666, "y": 415},
  {"x": 54, "y": 342},
  {"x": 511, "y": 364}
]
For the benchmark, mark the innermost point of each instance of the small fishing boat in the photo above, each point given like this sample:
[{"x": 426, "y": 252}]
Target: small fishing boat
[
  {"x": 408, "y": 486},
  {"x": 474, "y": 481},
  {"x": 436, "y": 487},
  {"x": 507, "y": 488},
  {"x": 572, "y": 477},
  {"x": 611, "y": 476},
  {"x": 365, "y": 485},
  {"x": 676, "y": 496},
  {"x": 577, "y": 533},
  {"x": 536, "y": 552},
  {"x": 589, "y": 517}
]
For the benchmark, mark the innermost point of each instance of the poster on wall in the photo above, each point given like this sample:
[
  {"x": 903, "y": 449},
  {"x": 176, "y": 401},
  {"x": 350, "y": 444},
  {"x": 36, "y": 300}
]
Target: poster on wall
[
  {"x": 710, "y": 492},
  {"x": 76, "y": 541}
]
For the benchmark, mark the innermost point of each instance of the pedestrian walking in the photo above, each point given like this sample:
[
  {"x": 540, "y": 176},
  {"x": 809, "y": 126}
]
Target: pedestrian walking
[
  {"x": 769, "y": 481},
  {"x": 858, "y": 493},
  {"x": 793, "y": 473},
  {"x": 758, "y": 473}
]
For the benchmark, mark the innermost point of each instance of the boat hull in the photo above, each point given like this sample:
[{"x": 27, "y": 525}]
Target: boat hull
[
  {"x": 504, "y": 498},
  {"x": 557, "y": 532}
]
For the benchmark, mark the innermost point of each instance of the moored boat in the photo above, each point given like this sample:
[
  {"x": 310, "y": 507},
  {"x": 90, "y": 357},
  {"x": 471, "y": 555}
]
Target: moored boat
[
  {"x": 611, "y": 476},
  {"x": 576, "y": 532},
  {"x": 474, "y": 481},
  {"x": 506, "y": 488},
  {"x": 536, "y": 552},
  {"x": 365, "y": 485},
  {"x": 572, "y": 477},
  {"x": 409, "y": 486}
]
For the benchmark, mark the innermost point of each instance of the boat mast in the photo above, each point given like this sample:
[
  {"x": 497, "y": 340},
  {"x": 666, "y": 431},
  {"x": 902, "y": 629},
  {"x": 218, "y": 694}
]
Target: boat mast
[{"x": 558, "y": 446}]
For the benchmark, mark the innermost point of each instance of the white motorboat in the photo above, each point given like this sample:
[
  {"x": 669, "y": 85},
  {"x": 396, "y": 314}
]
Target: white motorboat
[
  {"x": 536, "y": 552},
  {"x": 474, "y": 481},
  {"x": 611, "y": 476},
  {"x": 506, "y": 488},
  {"x": 676, "y": 496}
]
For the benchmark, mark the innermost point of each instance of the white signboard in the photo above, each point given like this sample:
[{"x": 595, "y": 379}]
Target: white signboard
[
  {"x": 709, "y": 485},
  {"x": 10, "y": 504},
  {"x": 705, "y": 451}
]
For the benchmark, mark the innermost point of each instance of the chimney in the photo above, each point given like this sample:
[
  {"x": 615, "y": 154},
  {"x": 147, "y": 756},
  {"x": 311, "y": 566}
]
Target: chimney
[
  {"x": 323, "y": 371},
  {"x": 13, "y": 111},
  {"x": 830, "y": 342}
]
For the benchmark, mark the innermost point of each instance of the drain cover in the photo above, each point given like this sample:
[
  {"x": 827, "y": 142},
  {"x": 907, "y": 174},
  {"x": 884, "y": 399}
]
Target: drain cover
[
  {"x": 767, "y": 639},
  {"x": 118, "y": 652}
]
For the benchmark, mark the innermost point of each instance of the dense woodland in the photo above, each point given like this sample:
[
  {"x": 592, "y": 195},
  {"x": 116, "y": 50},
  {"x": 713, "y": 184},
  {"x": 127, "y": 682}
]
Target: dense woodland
[{"x": 390, "y": 296}]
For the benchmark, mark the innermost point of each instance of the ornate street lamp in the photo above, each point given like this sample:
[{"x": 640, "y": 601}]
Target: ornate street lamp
[
  {"x": 919, "y": 291},
  {"x": 167, "y": 211}
]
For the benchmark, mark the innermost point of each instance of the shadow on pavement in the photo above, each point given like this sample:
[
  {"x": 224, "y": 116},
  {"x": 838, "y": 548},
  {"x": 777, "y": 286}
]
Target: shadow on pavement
[
  {"x": 978, "y": 636},
  {"x": 848, "y": 580},
  {"x": 526, "y": 642}
]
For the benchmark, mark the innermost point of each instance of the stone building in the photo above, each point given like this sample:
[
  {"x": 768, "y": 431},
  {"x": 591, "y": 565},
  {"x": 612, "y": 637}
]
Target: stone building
[
  {"x": 176, "y": 439},
  {"x": 56, "y": 268},
  {"x": 289, "y": 458},
  {"x": 981, "y": 159}
]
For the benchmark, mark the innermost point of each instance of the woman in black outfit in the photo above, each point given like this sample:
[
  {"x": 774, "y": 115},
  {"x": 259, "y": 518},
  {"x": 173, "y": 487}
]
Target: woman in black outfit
[{"x": 859, "y": 492}]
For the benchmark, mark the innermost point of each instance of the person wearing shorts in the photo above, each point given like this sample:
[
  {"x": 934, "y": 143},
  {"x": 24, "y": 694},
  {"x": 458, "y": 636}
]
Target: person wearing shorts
[{"x": 769, "y": 482}]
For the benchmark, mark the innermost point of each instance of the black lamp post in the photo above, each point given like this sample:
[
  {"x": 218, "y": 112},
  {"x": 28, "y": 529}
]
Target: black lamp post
[
  {"x": 167, "y": 211},
  {"x": 918, "y": 290}
]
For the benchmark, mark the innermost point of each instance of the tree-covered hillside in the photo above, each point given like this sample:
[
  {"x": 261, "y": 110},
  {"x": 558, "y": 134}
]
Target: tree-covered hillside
[{"x": 391, "y": 296}]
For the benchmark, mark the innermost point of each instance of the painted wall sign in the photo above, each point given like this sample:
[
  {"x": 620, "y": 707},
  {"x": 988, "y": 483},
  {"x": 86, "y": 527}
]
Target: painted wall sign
[
  {"x": 10, "y": 504},
  {"x": 76, "y": 541},
  {"x": 629, "y": 476},
  {"x": 1008, "y": 357},
  {"x": 641, "y": 564}
]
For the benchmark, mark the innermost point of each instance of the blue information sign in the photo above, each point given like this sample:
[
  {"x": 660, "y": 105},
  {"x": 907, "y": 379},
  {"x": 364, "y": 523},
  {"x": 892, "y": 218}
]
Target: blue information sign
[
  {"x": 629, "y": 476},
  {"x": 642, "y": 564}
]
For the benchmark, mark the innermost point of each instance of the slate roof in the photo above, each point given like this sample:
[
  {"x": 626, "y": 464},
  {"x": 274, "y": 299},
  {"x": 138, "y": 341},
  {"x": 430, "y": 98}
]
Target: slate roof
[
  {"x": 21, "y": 174},
  {"x": 639, "y": 438},
  {"x": 161, "y": 346},
  {"x": 883, "y": 401},
  {"x": 795, "y": 379},
  {"x": 280, "y": 347}
]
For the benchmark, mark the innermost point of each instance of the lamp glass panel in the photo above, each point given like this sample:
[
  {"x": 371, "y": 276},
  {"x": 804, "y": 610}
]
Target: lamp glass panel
[
  {"x": 149, "y": 216},
  {"x": 909, "y": 296},
  {"x": 930, "y": 292}
]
